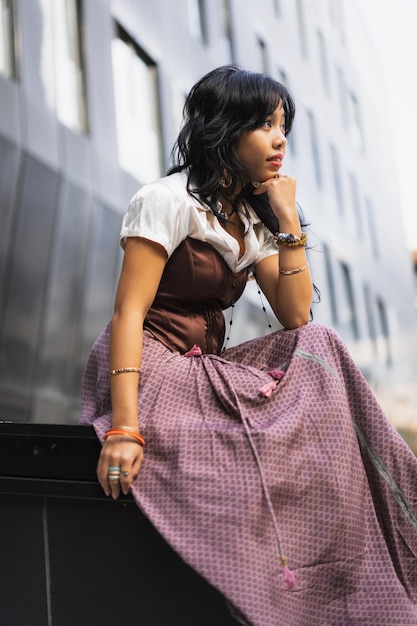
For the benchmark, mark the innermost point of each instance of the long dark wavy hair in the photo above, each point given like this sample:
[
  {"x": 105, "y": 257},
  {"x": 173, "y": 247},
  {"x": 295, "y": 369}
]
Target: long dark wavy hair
[{"x": 222, "y": 105}]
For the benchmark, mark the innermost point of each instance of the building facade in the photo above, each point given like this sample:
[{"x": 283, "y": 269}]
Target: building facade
[{"x": 91, "y": 97}]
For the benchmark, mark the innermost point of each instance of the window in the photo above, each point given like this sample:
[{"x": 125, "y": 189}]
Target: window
[
  {"x": 227, "y": 29},
  {"x": 337, "y": 179},
  {"x": 302, "y": 28},
  {"x": 277, "y": 7},
  {"x": 324, "y": 64},
  {"x": 350, "y": 315},
  {"x": 383, "y": 322},
  {"x": 137, "y": 109},
  {"x": 330, "y": 283},
  {"x": 71, "y": 101},
  {"x": 8, "y": 60},
  {"x": 263, "y": 54},
  {"x": 415, "y": 278},
  {"x": 343, "y": 96},
  {"x": 314, "y": 147},
  {"x": 292, "y": 141},
  {"x": 336, "y": 11},
  {"x": 373, "y": 235},
  {"x": 354, "y": 192},
  {"x": 355, "y": 122},
  {"x": 370, "y": 315},
  {"x": 350, "y": 111},
  {"x": 197, "y": 19}
]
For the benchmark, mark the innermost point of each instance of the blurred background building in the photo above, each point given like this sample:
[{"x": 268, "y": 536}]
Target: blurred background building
[{"x": 91, "y": 97}]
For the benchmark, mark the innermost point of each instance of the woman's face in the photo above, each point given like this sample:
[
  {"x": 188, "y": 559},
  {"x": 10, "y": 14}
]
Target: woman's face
[{"x": 262, "y": 150}]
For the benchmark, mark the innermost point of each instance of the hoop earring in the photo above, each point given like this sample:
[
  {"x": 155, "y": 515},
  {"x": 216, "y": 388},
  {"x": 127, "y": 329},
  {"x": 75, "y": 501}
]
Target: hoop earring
[{"x": 225, "y": 179}]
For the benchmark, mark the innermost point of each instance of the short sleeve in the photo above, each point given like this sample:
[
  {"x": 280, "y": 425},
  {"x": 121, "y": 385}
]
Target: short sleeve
[
  {"x": 157, "y": 213},
  {"x": 268, "y": 245}
]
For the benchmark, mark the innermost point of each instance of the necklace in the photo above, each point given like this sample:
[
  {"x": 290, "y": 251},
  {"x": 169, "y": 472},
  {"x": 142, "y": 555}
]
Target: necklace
[
  {"x": 232, "y": 306},
  {"x": 222, "y": 212}
]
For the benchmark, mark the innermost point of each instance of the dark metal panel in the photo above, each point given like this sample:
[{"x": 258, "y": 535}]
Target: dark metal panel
[
  {"x": 111, "y": 559},
  {"x": 71, "y": 556},
  {"x": 28, "y": 277},
  {"x": 23, "y": 599},
  {"x": 62, "y": 307},
  {"x": 103, "y": 264},
  {"x": 9, "y": 170},
  {"x": 40, "y": 451}
]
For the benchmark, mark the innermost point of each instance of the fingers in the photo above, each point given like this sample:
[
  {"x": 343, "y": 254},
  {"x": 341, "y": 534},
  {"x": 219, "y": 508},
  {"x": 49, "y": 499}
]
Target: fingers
[
  {"x": 279, "y": 180},
  {"x": 119, "y": 464}
]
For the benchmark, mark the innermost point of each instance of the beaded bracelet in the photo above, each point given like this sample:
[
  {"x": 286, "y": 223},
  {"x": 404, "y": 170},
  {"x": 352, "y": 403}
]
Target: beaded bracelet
[
  {"x": 120, "y": 431},
  {"x": 124, "y": 370},
  {"x": 298, "y": 270},
  {"x": 290, "y": 240}
]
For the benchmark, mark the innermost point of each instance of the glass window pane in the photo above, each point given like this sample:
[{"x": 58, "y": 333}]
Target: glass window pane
[
  {"x": 324, "y": 62},
  {"x": 337, "y": 178},
  {"x": 384, "y": 326},
  {"x": 7, "y": 39},
  {"x": 331, "y": 284},
  {"x": 137, "y": 112},
  {"x": 372, "y": 226},
  {"x": 350, "y": 313},
  {"x": 314, "y": 147},
  {"x": 69, "y": 64},
  {"x": 302, "y": 32},
  {"x": 197, "y": 19},
  {"x": 227, "y": 29}
]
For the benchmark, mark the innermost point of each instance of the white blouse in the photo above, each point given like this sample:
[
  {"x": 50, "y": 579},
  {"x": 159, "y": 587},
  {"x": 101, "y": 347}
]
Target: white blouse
[{"x": 164, "y": 212}]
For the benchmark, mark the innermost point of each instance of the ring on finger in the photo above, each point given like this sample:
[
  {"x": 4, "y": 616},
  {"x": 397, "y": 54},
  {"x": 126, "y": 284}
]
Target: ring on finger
[
  {"x": 113, "y": 473},
  {"x": 125, "y": 472}
]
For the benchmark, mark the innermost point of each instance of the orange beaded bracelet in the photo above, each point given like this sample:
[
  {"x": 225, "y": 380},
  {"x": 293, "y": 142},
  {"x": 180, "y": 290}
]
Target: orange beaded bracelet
[{"x": 118, "y": 431}]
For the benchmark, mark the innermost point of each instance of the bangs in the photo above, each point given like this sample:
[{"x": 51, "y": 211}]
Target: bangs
[{"x": 255, "y": 97}]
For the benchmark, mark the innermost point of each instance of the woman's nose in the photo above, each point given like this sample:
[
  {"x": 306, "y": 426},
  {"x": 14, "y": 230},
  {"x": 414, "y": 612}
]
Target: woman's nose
[{"x": 280, "y": 140}]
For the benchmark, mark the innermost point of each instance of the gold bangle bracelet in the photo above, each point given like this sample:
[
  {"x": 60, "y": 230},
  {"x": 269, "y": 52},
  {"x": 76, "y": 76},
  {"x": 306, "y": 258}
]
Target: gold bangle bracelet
[
  {"x": 296, "y": 271},
  {"x": 124, "y": 370}
]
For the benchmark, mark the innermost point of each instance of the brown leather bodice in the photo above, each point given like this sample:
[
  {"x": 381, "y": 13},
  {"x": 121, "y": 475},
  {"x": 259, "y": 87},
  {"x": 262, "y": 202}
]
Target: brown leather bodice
[{"x": 196, "y": 285}]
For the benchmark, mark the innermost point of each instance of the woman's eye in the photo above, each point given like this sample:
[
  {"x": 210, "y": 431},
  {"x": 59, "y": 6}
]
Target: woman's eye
[
  {"x": 283, "y": 129},
  {"x": 267, "y": 123}
]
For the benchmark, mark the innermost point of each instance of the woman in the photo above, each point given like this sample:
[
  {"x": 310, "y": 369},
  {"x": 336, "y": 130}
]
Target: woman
[{"x": 252, "y": 456}]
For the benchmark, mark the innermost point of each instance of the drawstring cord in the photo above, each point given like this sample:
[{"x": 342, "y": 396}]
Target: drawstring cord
[
  {"x": 266, "y": 391},
  {"x": 289, "y": 577}
]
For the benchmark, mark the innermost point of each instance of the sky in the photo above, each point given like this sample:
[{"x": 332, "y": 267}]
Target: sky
[{"x": 392, "y": 27}]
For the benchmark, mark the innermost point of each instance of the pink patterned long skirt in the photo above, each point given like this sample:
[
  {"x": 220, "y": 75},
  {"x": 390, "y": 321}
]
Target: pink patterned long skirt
[{"x": 246, "y": 470}]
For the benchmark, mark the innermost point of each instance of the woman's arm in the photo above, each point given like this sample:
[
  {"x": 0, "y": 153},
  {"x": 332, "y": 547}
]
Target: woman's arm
[
  {"x": 142, "y": 269},
  {"x": 289, "y": 295}
]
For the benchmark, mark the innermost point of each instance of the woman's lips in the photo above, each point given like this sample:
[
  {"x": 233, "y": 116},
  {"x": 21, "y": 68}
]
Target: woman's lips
[{"x": 276, "y": 160}]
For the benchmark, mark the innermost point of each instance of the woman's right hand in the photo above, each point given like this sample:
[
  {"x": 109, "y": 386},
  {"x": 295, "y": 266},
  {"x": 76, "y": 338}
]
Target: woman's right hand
[
  {"x": 119, "y": 451},
  {"x": 281, "y": 192}
]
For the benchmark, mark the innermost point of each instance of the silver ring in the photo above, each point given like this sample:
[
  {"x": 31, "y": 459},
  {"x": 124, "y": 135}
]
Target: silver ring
[
  {"x": 113, "y": 473},
  {"x": 113, "y": 478},
  {"x": 125, "y": 473}
]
